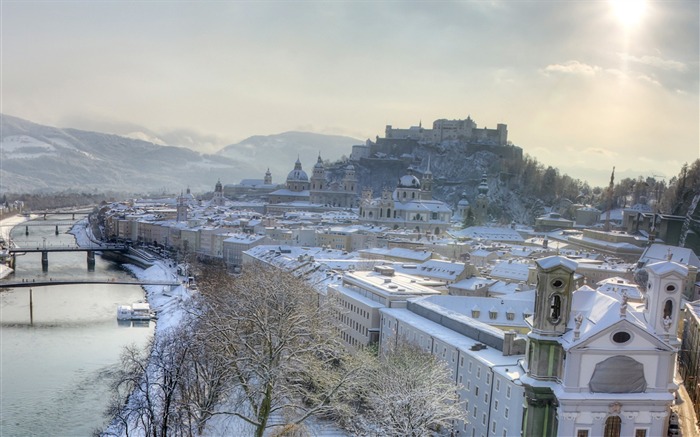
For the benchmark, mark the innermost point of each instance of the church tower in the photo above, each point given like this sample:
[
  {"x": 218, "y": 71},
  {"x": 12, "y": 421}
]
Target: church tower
[
  {"x": 427, "y": 183},
  {"x": 218, "y": 199},
  {"x": 318, "y": 177},
  {"x": 482, "y": 201},
  {"x": 268, "y": 177},
  {"x": 182, "y": 207},
  {"x": 663, "y": 298},
  {"x": 545, "y": 355}
]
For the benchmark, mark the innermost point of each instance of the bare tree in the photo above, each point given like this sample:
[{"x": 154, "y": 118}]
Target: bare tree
[
  {"x": 277, "y": 337},
  {"x": 405, "y": 392}
]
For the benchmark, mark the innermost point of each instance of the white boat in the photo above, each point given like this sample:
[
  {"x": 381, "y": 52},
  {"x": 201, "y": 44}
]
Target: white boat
[{"x": 135, "y": 311}]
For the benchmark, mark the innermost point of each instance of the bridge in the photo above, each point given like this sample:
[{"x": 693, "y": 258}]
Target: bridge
[
  {"x": 44, "y": 282},
  {"x": 14, "y": 251},
  {"x": 56, "y": 223}
]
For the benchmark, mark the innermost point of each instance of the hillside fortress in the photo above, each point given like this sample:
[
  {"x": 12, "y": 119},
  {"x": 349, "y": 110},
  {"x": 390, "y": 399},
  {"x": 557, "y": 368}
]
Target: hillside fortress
[{"x": 464, "y": 134}]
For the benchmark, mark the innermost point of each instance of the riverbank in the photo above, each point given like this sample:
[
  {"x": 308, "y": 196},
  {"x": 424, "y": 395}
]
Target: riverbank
[
  {"x": 6, "y": 225},
  {"x": 167, "y": 302}
]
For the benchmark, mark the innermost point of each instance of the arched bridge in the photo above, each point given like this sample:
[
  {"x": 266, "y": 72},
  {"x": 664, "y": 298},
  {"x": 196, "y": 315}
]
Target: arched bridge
[{"x": 14, "y": 251}]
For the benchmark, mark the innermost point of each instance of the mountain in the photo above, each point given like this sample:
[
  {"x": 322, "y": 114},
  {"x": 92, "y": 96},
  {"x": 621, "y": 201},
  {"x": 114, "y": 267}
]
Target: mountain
[
  {"x": 34, "y": 157},
  {"x": 279, "y": 152}
]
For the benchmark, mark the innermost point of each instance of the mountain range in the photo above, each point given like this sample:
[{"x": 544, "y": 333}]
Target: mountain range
[{"x": 36, "y": 158}]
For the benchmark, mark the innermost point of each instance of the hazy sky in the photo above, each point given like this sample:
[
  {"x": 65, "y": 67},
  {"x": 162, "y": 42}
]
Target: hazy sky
[{"x": 582, "y": 85}]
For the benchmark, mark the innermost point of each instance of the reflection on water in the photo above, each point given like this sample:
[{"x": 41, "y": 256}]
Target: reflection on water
[{"x": 55, "y": 367}]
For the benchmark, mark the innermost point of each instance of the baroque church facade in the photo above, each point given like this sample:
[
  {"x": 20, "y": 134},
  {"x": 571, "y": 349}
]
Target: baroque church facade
[
  {"x": 410, "y": 206},
  {"x": 597, "y": 363},
  {"x": 318, "y": 190}
]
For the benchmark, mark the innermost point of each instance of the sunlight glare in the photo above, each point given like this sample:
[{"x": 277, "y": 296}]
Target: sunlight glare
[{"x": 629, "y": 12}]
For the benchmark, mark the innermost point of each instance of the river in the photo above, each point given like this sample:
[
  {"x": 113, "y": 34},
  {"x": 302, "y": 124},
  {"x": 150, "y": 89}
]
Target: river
[{"x": 55, "y": 368}]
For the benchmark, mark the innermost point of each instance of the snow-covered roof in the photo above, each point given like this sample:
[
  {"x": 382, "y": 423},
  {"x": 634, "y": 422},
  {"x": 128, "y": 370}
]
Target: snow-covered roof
[
  {"x": 489, "y": 233},
  {"x": 473, "y": 283},
  {"x": 286, "y": 192},
  {"x": 511, "y": 270},
  {"x": 551, "y": 262},
  {"x": 661, "y": 252},
  {"x": 401, "y": 253},
  {"x": 664, "y": 268}
]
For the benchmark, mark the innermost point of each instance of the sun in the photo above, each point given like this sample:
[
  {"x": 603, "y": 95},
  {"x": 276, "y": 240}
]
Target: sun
[{"x": 629, "y": 12}]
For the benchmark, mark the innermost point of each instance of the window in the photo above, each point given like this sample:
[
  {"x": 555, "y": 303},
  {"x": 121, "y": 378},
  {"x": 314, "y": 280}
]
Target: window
[
  {"x": 461, "y": 360},
  {"x": 474, "y": 412},
  {"x": 640, "y": 433},
  {"x": 470, "y": 367},
  {"x": 483, "y": 419},
  {"x": 505, "y": 433},
  {"x": 505, "y": 413},
  {"x": 493, "y": 427},
  {"x": 460, "y": 379},
  {"x": 488, "y": 378},
  {"x": 478, "y": 372},
  {"x": 613, "y": 424},
  {"x": 493, "y": 315},
  {"x": 498, "y": 385},
  {"x": 495, "y": 405},
  {"x": 621, "y": 337},
  {"x": 582, "y": 433},
  {"x": 469, "y": 385},
  {"x": 486, "y": 398},
  {"x": 476, "y": 391},
  {"x": 555, "y": 308},
  {"x": 508, "y": 392}
]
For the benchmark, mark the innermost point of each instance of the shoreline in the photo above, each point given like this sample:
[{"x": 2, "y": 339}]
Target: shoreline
[{"x": 167, "y": 302}]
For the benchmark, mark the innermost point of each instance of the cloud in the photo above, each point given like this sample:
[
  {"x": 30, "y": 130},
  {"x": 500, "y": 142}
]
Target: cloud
[
  {"x": 600, "y": 151},
  {"x": 657, "y": 62},
  {"x": 573, "y": 67}
]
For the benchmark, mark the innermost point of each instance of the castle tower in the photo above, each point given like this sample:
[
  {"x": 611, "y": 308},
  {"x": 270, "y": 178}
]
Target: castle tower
[
  {"x": 268, "y": 177},
  {"x": 481, "y": 204},
  {"x": 545, "y": 354},
  {"x": 663, "y": 298},
  {"x": 427, "y": 183}
]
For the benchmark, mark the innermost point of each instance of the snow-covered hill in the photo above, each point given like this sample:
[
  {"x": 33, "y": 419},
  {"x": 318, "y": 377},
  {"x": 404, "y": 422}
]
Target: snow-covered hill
[{"x": 36, "y": 157}]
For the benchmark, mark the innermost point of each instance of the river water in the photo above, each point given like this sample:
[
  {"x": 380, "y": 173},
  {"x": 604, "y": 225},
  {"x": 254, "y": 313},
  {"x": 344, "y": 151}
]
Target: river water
[{"x": 55, "y": 368}]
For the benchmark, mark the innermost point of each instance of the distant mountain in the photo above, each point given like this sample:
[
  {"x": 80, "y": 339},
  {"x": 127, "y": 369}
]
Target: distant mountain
[
  {"x": 279, "y": 152},
  {"x": 34, "y": 157}
]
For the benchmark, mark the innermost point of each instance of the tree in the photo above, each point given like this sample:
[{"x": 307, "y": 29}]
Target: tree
[
  {"x": 404, "y": 392},
  {"x": 469, "y": 218},
  {"x": 277, "y": 337}
]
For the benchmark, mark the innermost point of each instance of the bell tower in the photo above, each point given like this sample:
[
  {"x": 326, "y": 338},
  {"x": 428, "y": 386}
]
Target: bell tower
[
  {"x": 663, "y": 298},
  {"x": 545, "y": 354}
]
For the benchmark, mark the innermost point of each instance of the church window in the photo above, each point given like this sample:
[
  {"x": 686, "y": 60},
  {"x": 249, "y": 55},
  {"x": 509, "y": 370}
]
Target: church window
[
  {"x": 404, "y": 194},
  {"x": 582, "y": 433},
  {"x": 668, "y": 309},
  {"x": 640, "y": 433},
  {"x": 670, "y": 288},
  {"x": 621, "y": 337},
  {"x": 413, "y": 195},
  {"x": 388, "y": 213},
  {"x": 557, "y": 283},
  {"x": 370, "y": 214},
  {"x": 352, "y": 188},
  {"x": 613, "y": 424},
  {"x": 394, "y": 213},
  {"x": 555, "y": 308},
  {"x": 381, "y": 213}
]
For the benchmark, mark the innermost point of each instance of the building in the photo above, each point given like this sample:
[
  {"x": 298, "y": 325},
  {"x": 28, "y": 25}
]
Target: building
[
  {"x": 362, "y": 294},
  {"x": 409, "y": 206},
  {"x": 218, "y": 199},
  {"x": 689, "y": 359},
  {"x": 596, "y": 363},
  {"x": 296, "y": 188},
  {"x": 342, "y": 193},
  {"x": 234, "y": 246}
]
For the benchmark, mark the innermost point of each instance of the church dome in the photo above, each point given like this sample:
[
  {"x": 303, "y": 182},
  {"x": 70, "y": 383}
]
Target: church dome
[
  {"x": 297, "y": 174},
  {"x": 319, "y": 162},
  {"x": 409, "y": 181}
]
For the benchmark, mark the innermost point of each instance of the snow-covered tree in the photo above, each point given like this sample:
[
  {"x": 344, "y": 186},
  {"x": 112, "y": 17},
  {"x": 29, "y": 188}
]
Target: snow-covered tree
[{"x": 278, "y": 338}]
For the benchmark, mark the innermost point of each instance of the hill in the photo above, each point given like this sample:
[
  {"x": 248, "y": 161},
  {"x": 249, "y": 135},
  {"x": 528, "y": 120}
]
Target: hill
[{"x": 42, "y": 158}]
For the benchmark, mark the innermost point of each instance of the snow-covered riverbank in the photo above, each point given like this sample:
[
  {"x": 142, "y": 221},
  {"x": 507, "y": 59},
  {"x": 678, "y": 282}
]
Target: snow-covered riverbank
[{"x": 6, "y": 226}]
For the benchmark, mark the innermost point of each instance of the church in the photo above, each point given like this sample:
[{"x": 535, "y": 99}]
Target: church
[
  {"x": 410, "y": 206},
  {"x": 597, "y": 363},
  {"x": 318, "y": 190}
]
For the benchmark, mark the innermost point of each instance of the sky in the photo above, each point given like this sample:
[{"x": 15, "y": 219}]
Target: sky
[{"x": 584, "y": 86}]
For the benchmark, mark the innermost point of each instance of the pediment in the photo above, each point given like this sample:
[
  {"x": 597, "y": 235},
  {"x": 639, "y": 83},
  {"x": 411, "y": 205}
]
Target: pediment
[{"x": 622, "y": 336}]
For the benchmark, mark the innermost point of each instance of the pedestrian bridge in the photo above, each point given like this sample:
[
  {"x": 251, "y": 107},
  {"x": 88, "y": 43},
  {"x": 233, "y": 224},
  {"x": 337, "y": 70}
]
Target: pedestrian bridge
[{"x": 44, "y": 282}]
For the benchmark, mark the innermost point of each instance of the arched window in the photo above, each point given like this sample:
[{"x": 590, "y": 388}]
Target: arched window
[
  {"x": 370, "y": 214},
  {"x": 404, "y": 194},
  {"x": 381, "y": 213},
  {"x": 613, "y": 424},
  {"x": 394, "y": 213},
  {"x": 413, "y": 195},
  {"x": 668, "y": 309},
  {"x": 555, "y": 308},
  {"x": 388, "y": 213}
]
